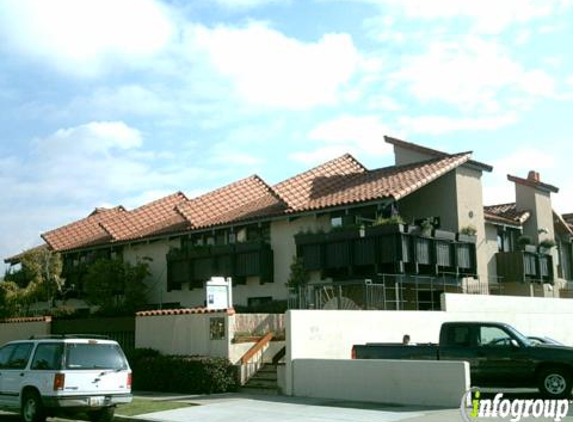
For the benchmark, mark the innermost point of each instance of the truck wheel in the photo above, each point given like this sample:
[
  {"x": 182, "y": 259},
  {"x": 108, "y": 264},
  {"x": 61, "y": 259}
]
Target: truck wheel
[
  {"x": 555, "y": 383},
  {"x": 102, "y": 415},
  {"x": 32, "y": 409}
]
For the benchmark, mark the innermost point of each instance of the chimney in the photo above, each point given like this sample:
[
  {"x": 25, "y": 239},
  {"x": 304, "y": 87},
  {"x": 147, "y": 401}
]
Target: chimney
[{"x": 533, "y": 176}]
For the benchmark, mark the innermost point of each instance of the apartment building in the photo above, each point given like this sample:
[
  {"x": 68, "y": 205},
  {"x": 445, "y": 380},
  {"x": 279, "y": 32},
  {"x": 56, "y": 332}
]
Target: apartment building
[{"x": 411, "y": 230}]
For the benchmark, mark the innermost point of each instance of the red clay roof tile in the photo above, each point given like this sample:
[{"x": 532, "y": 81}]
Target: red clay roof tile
[
  {"x": 84, "y": 232},
  {"x": 154, "y": 217},
  {"x": 298, "y": 190},
  {"x": 506, "y": 214},
  {"x": 187, "y": 311},
  {"x": 245, "y": 199},
  {"x": 329, "y": 188}
]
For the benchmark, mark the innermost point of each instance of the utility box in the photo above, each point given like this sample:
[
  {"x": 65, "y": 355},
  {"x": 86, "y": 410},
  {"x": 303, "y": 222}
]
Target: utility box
[{"x": 219, "y": 293}]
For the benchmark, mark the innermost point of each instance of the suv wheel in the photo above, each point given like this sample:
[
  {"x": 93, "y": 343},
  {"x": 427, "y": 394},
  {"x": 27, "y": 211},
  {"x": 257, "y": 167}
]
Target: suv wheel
[
  {"x": 555, "y": 383},
  {"x": 32, "y": 408},
  {"x": 102, "y": 415}
]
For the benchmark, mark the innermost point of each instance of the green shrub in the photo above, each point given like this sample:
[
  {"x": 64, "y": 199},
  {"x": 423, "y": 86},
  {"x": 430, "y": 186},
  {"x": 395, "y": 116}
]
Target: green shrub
[{"x": 181, "y": 374}]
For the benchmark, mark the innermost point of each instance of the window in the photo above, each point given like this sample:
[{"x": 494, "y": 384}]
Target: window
[
  {"x": 47, "y": 356},
  {"x": 459, "y": 336},
  {"x": 94, "y": 356},
  {"x": 494, "y": 336},
  {"x": 19, "y": 357},
  {"x": 5, "y": 354}
]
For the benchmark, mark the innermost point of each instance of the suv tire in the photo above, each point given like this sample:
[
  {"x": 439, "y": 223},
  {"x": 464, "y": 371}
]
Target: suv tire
[
  {"x": 32, "y": 408},
  {"x": 102, "y": 415},
  {"x": 555, "y": 383}
]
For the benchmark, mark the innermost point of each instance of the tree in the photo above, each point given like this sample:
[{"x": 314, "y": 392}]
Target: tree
[
  {"x": 116, "y": 287},
  {"x": 39, "y": 278},
  {"x": 8, "y": 299},
  {"x": 298, "y": 274}
]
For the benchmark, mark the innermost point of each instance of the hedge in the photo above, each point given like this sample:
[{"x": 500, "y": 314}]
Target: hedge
[{"x": 181, "y": 374}]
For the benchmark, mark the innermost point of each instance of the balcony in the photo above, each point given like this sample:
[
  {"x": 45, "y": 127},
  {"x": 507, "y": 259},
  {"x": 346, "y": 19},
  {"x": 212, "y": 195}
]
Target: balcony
[
  {"x": 197, "y": 264},
  {"x": 525, "y": 266},
  {"x": 396, "y": 248}
]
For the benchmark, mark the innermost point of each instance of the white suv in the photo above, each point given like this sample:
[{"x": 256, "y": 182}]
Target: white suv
[{"x": 64, "y": 375}]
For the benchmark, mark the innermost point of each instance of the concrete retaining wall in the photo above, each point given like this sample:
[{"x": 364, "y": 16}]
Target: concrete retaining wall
[{"x": 390, "y": 381}]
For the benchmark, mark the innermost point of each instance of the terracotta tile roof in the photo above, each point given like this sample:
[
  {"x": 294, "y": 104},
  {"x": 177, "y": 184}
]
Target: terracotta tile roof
[
  {"x": 506, "y": 214},
  {"x": 84, "y": 232},
  {"x": 296, "y": 191},
  {"x": 188, "y": 311},
  {"x": 26, "y": 319},
  {"x": 17, "y": 258},
  {"x": 432, "y": 152},
  {"x": 333, "y": 189},
  {"x": 533, "y": 183},
  {"x": 246, "y": 199},
  {"x": 154, "y": 217}
]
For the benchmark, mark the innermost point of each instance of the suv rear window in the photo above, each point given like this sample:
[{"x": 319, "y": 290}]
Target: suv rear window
[{"x": 94, "y": 356}]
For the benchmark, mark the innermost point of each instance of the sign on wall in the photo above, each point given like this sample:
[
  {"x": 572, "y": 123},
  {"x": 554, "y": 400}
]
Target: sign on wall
[{"x": 219, "y": 293}]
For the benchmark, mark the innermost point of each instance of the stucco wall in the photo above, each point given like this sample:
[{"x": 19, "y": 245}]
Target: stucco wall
[
  {"x": 490, "y": 249},
  {"x": 331, "y": 334},
  {"x": 284, "y": 247},
  {"x": 438, "y": 383},
  {"x": 182, "y": 334},
  {"x": 438, "y": 199},
  {"x": 403, "y": 156},
  {"x": 21, "y": 330},
  {"x": 470, "y": 213}
]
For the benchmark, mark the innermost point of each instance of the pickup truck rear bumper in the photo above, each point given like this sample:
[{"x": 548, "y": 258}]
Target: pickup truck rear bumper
[{"x": 91, "y": 401}]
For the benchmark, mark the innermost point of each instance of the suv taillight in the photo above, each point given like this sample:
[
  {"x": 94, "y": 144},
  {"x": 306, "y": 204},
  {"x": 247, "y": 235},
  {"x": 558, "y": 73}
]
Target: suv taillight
[
  {"x": 59, "y": 381},
  {"x": 129, "y": 376}
]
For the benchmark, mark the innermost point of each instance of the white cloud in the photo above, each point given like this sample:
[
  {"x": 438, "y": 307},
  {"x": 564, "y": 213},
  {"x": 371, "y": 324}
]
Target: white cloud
[
  {"x": 570, "y": 80},
  {"x": 469, "y": 73},
  {"x": 247, "y": 4},
  {"x": 519, "y": 162},
  {"x": 86, "y": 38},
  {"x": 436, "y": 125},
  {"x": 91, "y": 138},
  {"x": 267, "y": 68},
  {"x": 360, "y": 135},
  {"x": 489, "y": 16}
]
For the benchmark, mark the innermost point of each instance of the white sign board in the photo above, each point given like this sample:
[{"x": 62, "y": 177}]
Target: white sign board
[{"x": 219, "y": 293}]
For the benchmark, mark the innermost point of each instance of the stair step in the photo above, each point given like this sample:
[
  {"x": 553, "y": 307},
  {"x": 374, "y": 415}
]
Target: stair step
[
  {"x": 265, "y": 375},
  {"x": 260, "y": 391},
  {"x": 262, "y": 382}
]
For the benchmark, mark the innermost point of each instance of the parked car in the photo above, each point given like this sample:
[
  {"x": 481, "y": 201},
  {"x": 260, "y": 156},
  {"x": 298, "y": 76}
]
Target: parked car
[
  {"x": 60, "y": 375},
  {"x": 499, "y": 356},
  {"x": 536, "y": 341}
]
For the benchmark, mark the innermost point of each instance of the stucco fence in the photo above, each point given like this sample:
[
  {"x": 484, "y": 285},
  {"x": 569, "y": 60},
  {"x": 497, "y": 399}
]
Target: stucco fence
[
  {"x": 23, "y": 328},
  {"x": 191, "y": 332},
  {"x": 325, "y": 339}
]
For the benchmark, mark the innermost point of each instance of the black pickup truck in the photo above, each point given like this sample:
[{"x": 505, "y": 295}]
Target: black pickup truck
[{"x": 499, "y": 356}]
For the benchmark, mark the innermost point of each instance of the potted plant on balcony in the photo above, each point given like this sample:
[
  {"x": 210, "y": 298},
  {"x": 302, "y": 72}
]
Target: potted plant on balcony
[
  {"x": 350, "y": 231},
  {"x": 526, "y": 244},
  {"x": 390, "y": 225},
  {"x": 546, "y": 245},
  {"x": 307, "y": 237},
  {"x": 467, "y": 234}
]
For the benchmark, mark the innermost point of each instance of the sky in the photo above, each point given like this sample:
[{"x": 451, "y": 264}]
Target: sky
[{"x": 112, "y": 102}]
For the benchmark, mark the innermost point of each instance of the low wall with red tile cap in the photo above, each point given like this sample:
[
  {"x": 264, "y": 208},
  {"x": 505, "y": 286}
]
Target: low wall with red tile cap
[
  {"x": 194, "y": 331},
  {"x": 23, "y": 328}
]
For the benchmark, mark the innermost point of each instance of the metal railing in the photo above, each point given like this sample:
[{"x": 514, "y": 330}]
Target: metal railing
[{"x": 408, "y": 292}]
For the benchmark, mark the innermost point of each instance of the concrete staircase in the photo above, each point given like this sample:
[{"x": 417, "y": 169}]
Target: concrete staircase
[{"x": 263, "y": 382}]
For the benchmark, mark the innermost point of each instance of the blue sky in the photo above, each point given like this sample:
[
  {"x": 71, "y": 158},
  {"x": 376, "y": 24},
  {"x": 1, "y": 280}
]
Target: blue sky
[{"x": 120, "y": 102}]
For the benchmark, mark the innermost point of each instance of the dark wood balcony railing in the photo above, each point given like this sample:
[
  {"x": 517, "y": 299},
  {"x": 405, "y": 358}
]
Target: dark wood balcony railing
[
  {"x": 525, "y": 266},
  {"x": 390, "y": 248},
  {"x": 198, "y": 264}
]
